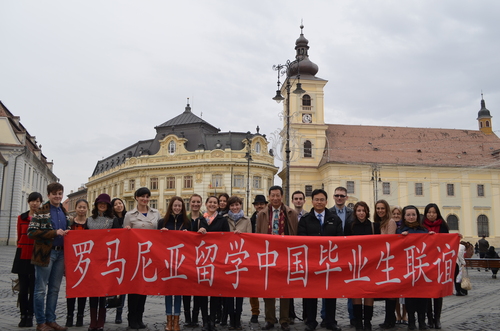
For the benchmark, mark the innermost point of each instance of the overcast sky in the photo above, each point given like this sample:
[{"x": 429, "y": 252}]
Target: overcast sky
[{"x": 89, "y": 78}]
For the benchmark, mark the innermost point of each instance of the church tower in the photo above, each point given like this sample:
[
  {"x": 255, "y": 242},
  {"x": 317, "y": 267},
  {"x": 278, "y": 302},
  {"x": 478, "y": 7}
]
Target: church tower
[
  {"x": 484, "y": 118},
  {"x": 307, "y": 118}
]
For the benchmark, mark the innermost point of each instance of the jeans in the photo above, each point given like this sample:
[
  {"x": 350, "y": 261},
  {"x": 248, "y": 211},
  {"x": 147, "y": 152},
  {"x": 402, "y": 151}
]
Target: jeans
[
  {"x": 177, "y": 304},
  {"x": 47, "y": 283}
]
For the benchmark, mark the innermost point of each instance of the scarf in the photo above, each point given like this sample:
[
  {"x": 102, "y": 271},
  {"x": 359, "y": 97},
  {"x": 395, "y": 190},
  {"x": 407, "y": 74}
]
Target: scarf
[
  {"x": 412, "y": 225},
  {"x": 235, "y": 217},
  {"x": 210, "y": 218},
  {"x": 281, "y": 222},
  {"x": 433, "y": 226}
]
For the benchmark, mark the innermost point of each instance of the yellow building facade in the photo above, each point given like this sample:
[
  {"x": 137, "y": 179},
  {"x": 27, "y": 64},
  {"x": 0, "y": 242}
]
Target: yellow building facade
[
  {"x": 459, "y": 170},
  {"x": 187, "y": 156}
]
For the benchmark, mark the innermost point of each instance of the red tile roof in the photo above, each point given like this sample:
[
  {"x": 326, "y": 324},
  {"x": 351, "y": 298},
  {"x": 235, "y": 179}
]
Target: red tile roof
[{"x": 359, "y": 144}]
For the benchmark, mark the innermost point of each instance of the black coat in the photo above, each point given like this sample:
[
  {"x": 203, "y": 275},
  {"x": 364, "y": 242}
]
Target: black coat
[
  {"x": 219, "y": 224},
  {"x": 198, "y": 223},
  {"x": 356, "y": 228},
  {"x": 309, "y": 225}
]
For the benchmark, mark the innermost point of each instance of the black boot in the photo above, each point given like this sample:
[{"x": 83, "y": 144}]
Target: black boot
[
  {"x": 69, "y": 320},
  {"x": 421, "y": 320},
  {"x": 22, "y": 322},
  {"x": 224, "y": 315},
  {"x": 194, "y": 320},
  {"x": 430, "y": 318},
  {"x": 368, "y": 314},
  {"x": 118, "y": 318},
  {"x": 187, "y": 318},
  {"x": 237, "y": 322},
  {"x": 29, "y": 320},
  {"x": 438, "y": 306},
  {"x": 358, "y": 317},
  {"x": 79, "y": 320},
  {"x": 232, "y": 320}
]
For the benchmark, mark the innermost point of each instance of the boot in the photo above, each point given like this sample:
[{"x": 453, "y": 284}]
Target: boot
[
  {"x": 22, "y": 322},
  {"x": 29, "y": 320},
  {"x": 358, "y": 317},
  {"x": 69, "y": 320},
  {"x": 237, "y": 322},
  {"x": 421, "y": 321},
  {"x": 177, "y": 327},
  {"x": 231, "y": 322},
  {"x": 79, "y": 320},
  {"x": 194, "y": 320},
  {"x": 368, "y": 314},
  {"x": 93, "y": 318},
  {"x": 438, "y": 306},
  {"x": 118, "y": 318},
  {"x": 411, "y": 321},
  {"x": 430, "y": 318},
  {"x": 223, "y": 316},
  {"x": 132, "y": 320},
  {"x": 140, "y": 323},
  {"x": 187, "y": 318},
  {"x": 169, "y": 326},
  {"x": 101, "y": 318}
]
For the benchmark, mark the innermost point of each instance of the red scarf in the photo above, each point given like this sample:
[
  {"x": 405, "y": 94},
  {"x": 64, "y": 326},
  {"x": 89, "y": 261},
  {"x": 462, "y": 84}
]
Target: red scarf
[
  {"x": 433, "y": 226},
  {"x": 281, "y": 223}
]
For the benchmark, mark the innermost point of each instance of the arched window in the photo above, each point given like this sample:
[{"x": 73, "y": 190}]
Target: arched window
[
  {"x": 482, "y": 226},
  {"x": 452, "y": 221},
  {"x": 306, "y": 100},
  {"x": 257, "y": 147},
  {"x": 487, "y": 124},
  {"x": 480, "y": 124},
  {"x": 171, "y": 147},
  {"x": 307, "y": 148}
]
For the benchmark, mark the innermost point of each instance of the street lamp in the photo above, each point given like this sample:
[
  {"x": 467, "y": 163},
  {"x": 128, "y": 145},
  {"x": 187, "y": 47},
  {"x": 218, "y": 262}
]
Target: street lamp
[
  {"x": 285, "y": 69},
  {"x": 248, "y": 156}
]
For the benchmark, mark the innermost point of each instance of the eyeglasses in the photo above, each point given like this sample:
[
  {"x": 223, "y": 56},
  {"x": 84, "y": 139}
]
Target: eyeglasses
[{"x": 339, "y": 196}]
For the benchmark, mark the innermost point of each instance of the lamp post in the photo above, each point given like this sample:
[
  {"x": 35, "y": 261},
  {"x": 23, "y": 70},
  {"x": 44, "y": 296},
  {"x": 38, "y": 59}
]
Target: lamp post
[
  {"x": 248, "y": 156},
  {"x": 285, "y": 69}
]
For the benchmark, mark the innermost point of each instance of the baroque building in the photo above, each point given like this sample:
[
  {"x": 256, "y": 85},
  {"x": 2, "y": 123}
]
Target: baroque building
[
  {"x": 187, "y": 155},
  {"x": 23, "y": 169},
  {"x": 459, "y": 170}
]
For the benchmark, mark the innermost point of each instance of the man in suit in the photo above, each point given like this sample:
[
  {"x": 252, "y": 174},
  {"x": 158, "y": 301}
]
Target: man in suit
[
  {"x": 320, "y": 222},
  {"x": 346, "y": 215},
  {"x": 277, "y": 219}
]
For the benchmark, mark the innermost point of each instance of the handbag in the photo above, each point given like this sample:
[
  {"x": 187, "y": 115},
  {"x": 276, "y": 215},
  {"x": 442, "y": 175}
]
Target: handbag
[
  {"x": 465, "y": 284},
  {"x": 114, "y": 301},
  {"x": 15, "y": 286}
]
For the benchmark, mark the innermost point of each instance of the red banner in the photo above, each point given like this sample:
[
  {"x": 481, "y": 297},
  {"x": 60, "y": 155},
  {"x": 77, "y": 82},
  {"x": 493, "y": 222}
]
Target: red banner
[{"x": 120, "y": 261}]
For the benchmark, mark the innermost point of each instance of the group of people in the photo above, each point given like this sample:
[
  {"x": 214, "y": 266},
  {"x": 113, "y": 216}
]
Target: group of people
[{"x": 39, "y": 259}]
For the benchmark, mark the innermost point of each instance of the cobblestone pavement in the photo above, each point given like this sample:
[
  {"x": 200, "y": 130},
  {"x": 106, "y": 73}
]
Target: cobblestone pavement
[{"x": 477, "y": 311}]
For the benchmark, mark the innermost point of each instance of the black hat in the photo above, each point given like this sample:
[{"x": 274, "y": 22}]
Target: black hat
[{"x": 259, "y": 198}]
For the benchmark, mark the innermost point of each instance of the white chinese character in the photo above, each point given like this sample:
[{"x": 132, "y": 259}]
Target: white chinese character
[
  {"x": 357, "y": 265},
  {"x": 144, "y": 248},
  {"x": 387, "y": 269},
  {"x": 80, "y": 250},
  {"x": 115, "y": 259},
  {"x": 175, "y": 264},
  {"x": 236, "y": 259},
  {"x": 326, "y": 254},
  {"x": 267, "y": 263}
]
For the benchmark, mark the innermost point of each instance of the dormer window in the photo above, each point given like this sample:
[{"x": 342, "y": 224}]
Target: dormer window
[
  {"x": 257, "y": 147},
  {"x": 171, "y": 147}
]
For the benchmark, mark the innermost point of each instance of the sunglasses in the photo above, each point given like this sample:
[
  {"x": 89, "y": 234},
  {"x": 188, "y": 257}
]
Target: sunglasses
[{"x": 339, "y": 196}]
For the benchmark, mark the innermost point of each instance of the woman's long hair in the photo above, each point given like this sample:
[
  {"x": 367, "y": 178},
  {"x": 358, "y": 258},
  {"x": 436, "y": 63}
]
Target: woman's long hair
[
  {"x": 113, "y": 206},
  {"x": 185, "y": 220},
  {"x": 383, "y": 221}
]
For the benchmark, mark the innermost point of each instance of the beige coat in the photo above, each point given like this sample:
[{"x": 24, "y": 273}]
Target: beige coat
[
  {"x": 243, "y": 224},
  {"x": 136, "y": 220}
]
